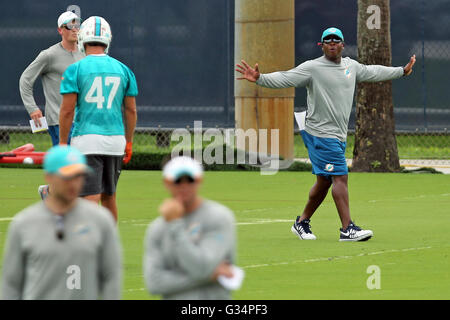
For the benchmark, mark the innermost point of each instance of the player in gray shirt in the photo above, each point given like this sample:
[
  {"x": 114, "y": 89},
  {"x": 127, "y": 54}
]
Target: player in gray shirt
[
  {"x": 50, "y": 64},
  {"x": 63, "y": 247},
  {"x": 330, "y": 83},
  {"x": 192, "y": 243}
]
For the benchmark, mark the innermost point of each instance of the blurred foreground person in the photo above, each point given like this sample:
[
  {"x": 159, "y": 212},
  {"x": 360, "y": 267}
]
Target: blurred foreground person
[
  {"x": 192, "y": 245},
  {"x": 63, "y": 247}
]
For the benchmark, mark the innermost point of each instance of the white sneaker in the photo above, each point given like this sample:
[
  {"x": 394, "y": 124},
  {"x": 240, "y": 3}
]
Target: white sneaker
[
  {"x": 355, "y": 233},
  {"x": 303, "y": 230}
]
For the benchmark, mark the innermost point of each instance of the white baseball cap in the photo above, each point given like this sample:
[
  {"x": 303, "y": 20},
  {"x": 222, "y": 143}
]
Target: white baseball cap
[
  {"x": 66, "y": 17},
  {"x": 182, "y": 166}
]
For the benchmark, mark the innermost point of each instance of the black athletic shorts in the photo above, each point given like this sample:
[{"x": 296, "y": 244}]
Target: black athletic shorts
[{"x": 104, "y": 176}]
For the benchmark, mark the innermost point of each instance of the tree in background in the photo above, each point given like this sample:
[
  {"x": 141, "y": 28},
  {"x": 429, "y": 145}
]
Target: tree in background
[{"x": 375, "y": 144}]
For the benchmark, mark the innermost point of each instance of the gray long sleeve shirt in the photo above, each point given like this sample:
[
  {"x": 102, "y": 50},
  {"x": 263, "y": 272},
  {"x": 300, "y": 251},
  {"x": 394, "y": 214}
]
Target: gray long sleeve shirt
[
  {"x": 181, "y": 255},
  {"x": 50, "y": 64},
  {"x": 85, "y": 264},
  {"x": 330, "y": 89}
]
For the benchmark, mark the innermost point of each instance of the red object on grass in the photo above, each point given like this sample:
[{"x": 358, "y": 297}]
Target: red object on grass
[
  {"x": 19, "y": 159},
  {"x": 29, "y": 147},
  {"x": 19, "y": 154}
]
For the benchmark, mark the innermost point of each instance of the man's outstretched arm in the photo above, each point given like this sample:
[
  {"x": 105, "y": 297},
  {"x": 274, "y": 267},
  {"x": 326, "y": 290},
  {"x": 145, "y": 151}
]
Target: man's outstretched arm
[
  {"x": 376, "y": 73},
  {"x": 407, "y": 70},
  {"x": 296, "y": 77},
  {"x": 248, "y": 73}
]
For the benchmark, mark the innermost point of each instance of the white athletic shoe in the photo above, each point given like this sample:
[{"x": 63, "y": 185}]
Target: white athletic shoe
[
  {"x": 355, "y": 233},
  {"x": 303, "y": 230}
]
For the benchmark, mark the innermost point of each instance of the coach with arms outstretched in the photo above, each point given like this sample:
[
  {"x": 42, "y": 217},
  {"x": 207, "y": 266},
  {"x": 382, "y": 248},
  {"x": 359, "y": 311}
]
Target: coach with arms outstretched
[{"x": 330, "y": 83}]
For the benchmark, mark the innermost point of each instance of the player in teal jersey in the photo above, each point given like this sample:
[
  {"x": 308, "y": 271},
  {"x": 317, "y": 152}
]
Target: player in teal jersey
[{"x": 94, "y": 90}]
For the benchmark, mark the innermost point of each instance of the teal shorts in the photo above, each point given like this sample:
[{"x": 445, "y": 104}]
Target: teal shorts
[{"x": 327, "y": 155}]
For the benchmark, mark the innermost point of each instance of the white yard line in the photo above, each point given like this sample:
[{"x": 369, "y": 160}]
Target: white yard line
[
  {"x": 131, "y": 290},
  {"x": 317, "y": 260},
  {"x": 266, "y": 209},
  {"x": 261, "y": 221},
  {"x": 413, "y": 197},
  {"x": 143, "y": 222},
  {"x": 334, "y": 258}
]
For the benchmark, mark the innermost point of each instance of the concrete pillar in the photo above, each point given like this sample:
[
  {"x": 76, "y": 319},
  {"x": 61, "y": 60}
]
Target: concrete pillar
[{"x": 264, "y": 34}]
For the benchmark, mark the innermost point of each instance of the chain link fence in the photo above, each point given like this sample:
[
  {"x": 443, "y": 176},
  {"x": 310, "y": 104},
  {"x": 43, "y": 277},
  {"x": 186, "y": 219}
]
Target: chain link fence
[
  {"x": 182, "y": 54},
  {"x": 418, "y": 149}
]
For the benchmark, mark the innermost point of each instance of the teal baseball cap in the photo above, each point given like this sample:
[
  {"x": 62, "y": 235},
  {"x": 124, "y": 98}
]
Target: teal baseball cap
[
  {"x": 332, "y": 31},
  {"x": 65, "y": 161},
  {"x": 182, "y": 166}
]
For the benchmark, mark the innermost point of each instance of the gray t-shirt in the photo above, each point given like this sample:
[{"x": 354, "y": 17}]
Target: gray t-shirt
[
  {"x": 85, "y": 264},
  {"x": 330, "y": 88},
  {"x": 50, "y": 64},
  {"x": 181, "y": 255}
]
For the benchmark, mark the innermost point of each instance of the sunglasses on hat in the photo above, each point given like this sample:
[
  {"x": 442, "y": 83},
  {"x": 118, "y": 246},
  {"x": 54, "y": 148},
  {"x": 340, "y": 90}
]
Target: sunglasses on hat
[
  {"x": 72, "y": 25},
  {"x": 187, "y": 179}
]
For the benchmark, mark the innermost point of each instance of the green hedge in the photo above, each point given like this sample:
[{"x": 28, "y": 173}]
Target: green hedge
[
  {"x": 20, "y": 165},
  {"x": 420, "y": 170},
  {"x": 154, "y": 161}
]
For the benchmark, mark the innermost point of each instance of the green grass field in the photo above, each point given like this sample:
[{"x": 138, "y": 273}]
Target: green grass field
[{"x": 409, "y": 214}]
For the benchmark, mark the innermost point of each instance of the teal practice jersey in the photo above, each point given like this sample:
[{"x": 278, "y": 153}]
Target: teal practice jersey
[{"x": 101, "y": 83}]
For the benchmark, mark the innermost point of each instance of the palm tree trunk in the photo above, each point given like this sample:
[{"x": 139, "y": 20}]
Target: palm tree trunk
[{"x": 375, "y": 144}]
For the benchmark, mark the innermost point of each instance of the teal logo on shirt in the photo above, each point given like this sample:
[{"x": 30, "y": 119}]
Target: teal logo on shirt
[
  {"x": 194, "y": 231},
  {"x": 347, "y": 72},
  {"x": 82, "y": 230}
]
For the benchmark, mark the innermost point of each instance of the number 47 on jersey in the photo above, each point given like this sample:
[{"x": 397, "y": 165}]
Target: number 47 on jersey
[{"x": 97, "y": 88}]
